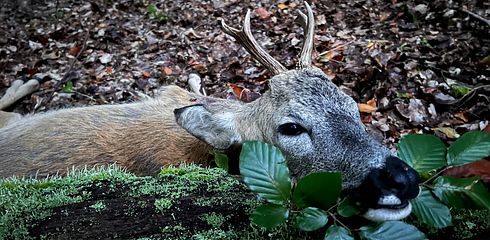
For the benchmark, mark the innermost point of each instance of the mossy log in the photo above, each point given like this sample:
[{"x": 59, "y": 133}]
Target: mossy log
[
  {"x": 181, "y": 203},
  {"x": 189, "y": 202}
]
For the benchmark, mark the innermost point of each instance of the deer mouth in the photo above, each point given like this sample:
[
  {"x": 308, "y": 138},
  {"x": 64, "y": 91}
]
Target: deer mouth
[{"x": 388, "y": 208}]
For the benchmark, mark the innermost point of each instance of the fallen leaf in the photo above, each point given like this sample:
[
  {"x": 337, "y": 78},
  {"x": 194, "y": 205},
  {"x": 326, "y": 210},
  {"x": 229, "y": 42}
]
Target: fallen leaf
[
  {"x": 167, "y": 71},
  {"x": 372, "y": 102},
  {"x": 243, "y": 94},
  {"x": 479, "y": 168},
  {"x": 366, "y": 108},
  {"x": 237, "y": 90},
  {"x": 109, "y": 70},
  {"x": 449, "y": 132},
  {"x": 366, "y": 118},
  {"x": 106, "y": 58},
  {"x": 282, "y": 6},
  {"x": 461, "y": 116},
  {"x": 74, "y": 51},
  {"x": 146, "y": 74},
  {"x": 262, "y": 12},
  {"x": 200, "y": 68},
  {"x": 487, "y": 128},
  {"x": 486, "y": 60}
]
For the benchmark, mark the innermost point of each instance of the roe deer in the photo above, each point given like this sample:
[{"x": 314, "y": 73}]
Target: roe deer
[{"x": 315, "y": 125}]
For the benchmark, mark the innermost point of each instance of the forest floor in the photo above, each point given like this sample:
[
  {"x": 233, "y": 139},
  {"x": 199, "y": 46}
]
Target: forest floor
[{"x": 414, "y": 66}]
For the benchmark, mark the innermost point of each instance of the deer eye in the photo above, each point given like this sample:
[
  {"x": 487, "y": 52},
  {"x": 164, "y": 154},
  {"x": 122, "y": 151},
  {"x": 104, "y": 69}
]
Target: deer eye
[{"x": 291, "y": 129}]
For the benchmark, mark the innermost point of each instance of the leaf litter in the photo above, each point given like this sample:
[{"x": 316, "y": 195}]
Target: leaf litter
[{"x": 425, "y": 63}]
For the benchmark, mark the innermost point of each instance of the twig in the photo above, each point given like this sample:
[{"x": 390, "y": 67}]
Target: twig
[
  {"x": 476, "y": 16},
  {"x": 337, "y": 220},
  {"x": 335, "y": 48},
  {"x": 64, "y": 79},
  {"x": 434, "y": 176}
]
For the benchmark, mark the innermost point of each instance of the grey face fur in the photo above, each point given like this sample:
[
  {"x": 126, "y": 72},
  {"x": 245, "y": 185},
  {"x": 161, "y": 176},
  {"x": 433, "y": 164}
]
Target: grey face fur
[{"x": 334, "y": 138}]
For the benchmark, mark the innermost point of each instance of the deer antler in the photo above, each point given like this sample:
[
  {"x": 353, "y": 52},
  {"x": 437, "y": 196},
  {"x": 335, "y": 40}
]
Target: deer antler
[
  {"x": 245, "y": 38},
  {"x": 308, "y": 24}
]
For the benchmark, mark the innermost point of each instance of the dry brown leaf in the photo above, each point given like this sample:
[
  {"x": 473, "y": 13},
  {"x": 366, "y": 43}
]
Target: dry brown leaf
[
  {"x": 146, "y": 74},
  {"x": 461, "y": 116},
  {"x": 449, "y": 132},
  {"x": 479, "y": 168},
  {"x": 486, "y": 60},
  {"x": 487, "y": 128},
  {"x": 167, "y": 70},
  {"x": 366, "y": 108},
  {"x": 237, "y": 90},
  {"x": 74, "y": 51},
  {"x": 200, "y": 68},
  {"x": 372, "y": 102},
  {"x": 109, "y": 70},
  {"x": 243, "y": 94}
]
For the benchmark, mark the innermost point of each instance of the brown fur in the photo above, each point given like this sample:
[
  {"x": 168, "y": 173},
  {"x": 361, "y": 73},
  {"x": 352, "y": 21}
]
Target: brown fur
[{"x": 142, "y": 137}]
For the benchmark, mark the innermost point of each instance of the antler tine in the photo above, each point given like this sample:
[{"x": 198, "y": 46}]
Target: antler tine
[
  {"x": 308, "y": 24},
  {"x": 302, "y": 19},
  {"x": 245, "y": 38}
]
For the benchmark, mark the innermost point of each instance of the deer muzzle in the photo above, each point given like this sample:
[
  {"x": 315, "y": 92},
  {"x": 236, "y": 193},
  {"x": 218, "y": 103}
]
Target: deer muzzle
[{"x": 386, "y": 192}]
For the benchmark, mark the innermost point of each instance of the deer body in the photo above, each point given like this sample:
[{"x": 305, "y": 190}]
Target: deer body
[
  {"x": 314, "y": 124},
  {"x": 142, "y": 137}
]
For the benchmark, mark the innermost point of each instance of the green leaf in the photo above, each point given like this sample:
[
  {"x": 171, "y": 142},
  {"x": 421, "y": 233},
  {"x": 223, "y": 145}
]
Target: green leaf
[
  {"x": 391, "y": 230},
  {"x": 311, "y": 219},
  {"x": 335, "y": 232},
  {"x": 422, "y": 152},
  {"x": 220, "y": 159},
  {"x": 348, "y": 208},
  {"x": 321, "y": 190},
  {"x": 265, "y": 172},
  {"x": 269, "y": 215},
  {"x": 462, "y": 192},
  {"x": 429, "y": 210},
  {"x": 151, "y": 9},
  {"x": 68, "y": 88},
  {"x": 470, "y": 147}
]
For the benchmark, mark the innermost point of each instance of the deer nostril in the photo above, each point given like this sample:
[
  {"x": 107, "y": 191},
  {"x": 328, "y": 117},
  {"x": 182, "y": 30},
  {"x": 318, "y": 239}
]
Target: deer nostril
[{"x": 402, "y": 178}]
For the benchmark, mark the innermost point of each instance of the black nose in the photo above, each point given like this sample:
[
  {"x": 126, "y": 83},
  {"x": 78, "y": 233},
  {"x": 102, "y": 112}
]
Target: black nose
[{"x": 395, "y": 178}]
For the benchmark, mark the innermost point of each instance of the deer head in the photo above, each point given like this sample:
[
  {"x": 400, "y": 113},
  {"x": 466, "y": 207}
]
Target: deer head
[{"x": 314, "y": 124}]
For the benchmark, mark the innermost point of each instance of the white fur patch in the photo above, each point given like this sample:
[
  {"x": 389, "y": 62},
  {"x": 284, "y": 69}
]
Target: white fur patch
[{"x": 385, "y": 214}]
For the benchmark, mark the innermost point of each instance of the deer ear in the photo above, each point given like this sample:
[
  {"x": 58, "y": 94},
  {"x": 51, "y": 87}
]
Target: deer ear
[{"x": 215, "y": 128}]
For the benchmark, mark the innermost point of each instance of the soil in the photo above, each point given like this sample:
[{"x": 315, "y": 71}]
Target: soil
[{"x": 127, "y": 217}]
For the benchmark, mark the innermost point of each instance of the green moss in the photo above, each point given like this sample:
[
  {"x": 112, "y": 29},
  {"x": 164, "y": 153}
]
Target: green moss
[
  {"x": 174, "y": 229},
  {"x": 98, "y": 206},
  {"x": 163, "y": 203},
  {"x": 213, "y": 219},
  {"x": 459, "y": 91},
  {"x": 212, "y": 234},
  {"x": 403, "y": 95},
  {"x": 173, "y": 171},
  {"x": 25, "y": 202},
  {"x": 28, "y": 200},
  {"x": 469, "y": 224}
]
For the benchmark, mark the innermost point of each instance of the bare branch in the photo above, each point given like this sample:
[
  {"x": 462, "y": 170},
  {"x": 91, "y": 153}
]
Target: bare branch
[
  {"x": 245, "y": 38},
  {"x": 482, "y": 19}
]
